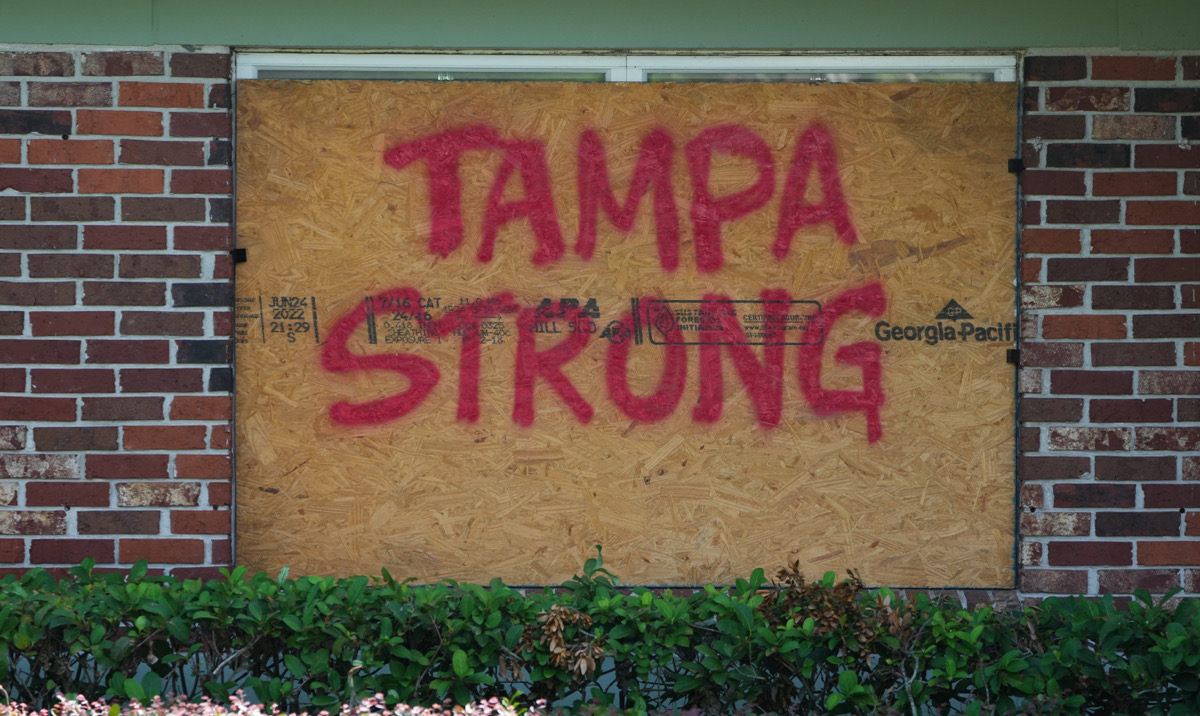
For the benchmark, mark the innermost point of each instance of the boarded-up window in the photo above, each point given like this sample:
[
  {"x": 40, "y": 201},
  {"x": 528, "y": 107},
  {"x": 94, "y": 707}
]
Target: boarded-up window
[{"x": 486, "y": 326}]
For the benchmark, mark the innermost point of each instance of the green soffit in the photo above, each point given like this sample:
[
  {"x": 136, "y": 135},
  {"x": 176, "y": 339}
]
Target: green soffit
[{"x": 622, "y": 25}]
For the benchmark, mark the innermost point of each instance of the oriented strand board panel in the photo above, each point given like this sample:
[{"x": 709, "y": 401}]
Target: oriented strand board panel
[{"x": 486, "y": 326}]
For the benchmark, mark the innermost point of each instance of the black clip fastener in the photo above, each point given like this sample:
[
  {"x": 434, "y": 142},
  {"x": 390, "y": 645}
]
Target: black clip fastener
[
  {"x": 239, "y": 256},
  {"x": 1013, "y": 356},
  {"x": 1016, "y": 166}
]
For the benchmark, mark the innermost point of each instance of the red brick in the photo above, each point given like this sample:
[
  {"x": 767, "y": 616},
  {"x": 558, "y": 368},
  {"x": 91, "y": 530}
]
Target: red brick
[
  {"x": 1141, "y": 469},
  {"x": 1086, "y": 269},
  {"x": 167, "y": 209},
  {"x": 1052, "y": 355},
  {"x": 210, "y": 522},
  {"x": 1133, "y": 298},
  {"x": 162, "y": 380},
  {"x": 1050, "y": 241},
  {"x": 1130, "y": 411},
  {"x": 1051, "y": 410},
  {"x": 112, "y": 64},
  {"x": 37, "y": 64},
  {"x": 149, "y": 151},
  {"x": 1054, "y": 581},
  {"x": 120, "y": 181},
  {"x": 1191, "y": 67},
  {"x": 1043, "y": 126},
  {"x": 1166, "y": 156},
  {"x": 1088, "y": 439},
  {"x": 200, "y": 64},
  {"x": 201, "y": 181},
  {"x": 159, "y": 266},
  {"x": 43, "y": 237},
  {"x": 161, "y": 323},
  {"x": 12, "y": 323},
  {"x": 1081, "y": 554},
  {"x": 128, "y": 351},
  {"x": 120, "y": 123},
  {"x": 1169, "y": 382},
  {"x": 203, "y": 467},
  {"x": 203, "y": 574},
  {"x": 125, "y": 466},
  {"x": 12, "y": 380},
  {"x": 1067, "y": 211},
  {"x": 33, "y": 522},
  {"x": 122, "y": 408},
  {"x": 1032, "y": 496},
  {"x": 39, "y": 352},
  {"x": 1191, "y": 354},
  {"x": 218, "y": 97},
  {"x": 1030, "y": 439},
  {"x": 1169, "y": 553},
  {"x": 220, "y": 494},
  {"x": 1189, "y": 240},
  {"x": 1162, "y": 213},
  {"x": 1047, "y": 182},
  {"x": 1190, "y": 467},
  {"x": 1139, "y": 126},
  {"x": 72, "y": 323},
  {"x": 164, "y": 437},
  {"x": 1087, "y": 99},
  {"x": 162, "y": 551},
  {"x": 1173, "y": 270},
  {"x": 1171, "y": 496},
  {"x": 222, "y": 438},
  {"x": 70, "y": 551},
  {"x": 25, "y": 408},
  {"x": 1042, "y": 296},
  {"x": 203, "y": 238},
  {"x": 1189, "y": 410},
  {"x": 1056, "y": 524},
  {"x": 37, "y": 181},
  {"x": 1055, "y": 68},
  {"x": 1031, "y": 270},
  {"x": 130, "y": 522},
  {"x": 1132, "y": 354},
  {"x": 12, "y": 550},
  {"x": 1131, "y": 67},
  {"x": 188, "y": 407},
  {"x": 1031, "y": 154},
  {"x": 72, "y": 380},
  {"x": 222, "y": 268},
  {"x": 68, "y": 494},
  {"x": 72, "y": 208},
  {"x": 1178, "y": 325},
  {"x": 1126, "y": 581},
  {"x": 12, "y": 437},
  {"x": 70, "y": 151},
  {"x": 158, "y": 494},
  {"x": 1137, "y": 524},
  {"x": 124, "y": 293},
  {"x": 1079, "y": 495},
  {"x": 160, "y": 94},
  {"x": 70, "y": 94},
  {"x": 1134, "y": 184},
  {"x": 1083, "y": 327},
  {"x": 70, "y": 266},
  {"x": 1170, "y": 438},
  {"x": 1031, "y": 213},
  {"x": 10, "y": 151},
  {"x": 125, "y": 237},
  {"x": 75, "y": 439},
  {"x": 200, "y": 124},
  {"x": 1034, "y": 467},
  {"x": 1088, "y": 156}
]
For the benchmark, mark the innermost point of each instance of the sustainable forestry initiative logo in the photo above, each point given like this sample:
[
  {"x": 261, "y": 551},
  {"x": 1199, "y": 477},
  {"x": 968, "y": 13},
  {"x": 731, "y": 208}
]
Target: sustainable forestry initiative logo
[{"x": 952, "y": 323}]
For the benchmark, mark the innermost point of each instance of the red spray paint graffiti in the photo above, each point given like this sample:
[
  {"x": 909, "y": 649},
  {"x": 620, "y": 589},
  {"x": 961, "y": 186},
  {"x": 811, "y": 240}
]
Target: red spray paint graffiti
[
  {"x": 442, "y": 154},
  {"x": 720, "y": 330}
]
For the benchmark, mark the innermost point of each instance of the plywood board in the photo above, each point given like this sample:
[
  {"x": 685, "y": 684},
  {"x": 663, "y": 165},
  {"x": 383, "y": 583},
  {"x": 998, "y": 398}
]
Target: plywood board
[{"x": 699, "y": 390}]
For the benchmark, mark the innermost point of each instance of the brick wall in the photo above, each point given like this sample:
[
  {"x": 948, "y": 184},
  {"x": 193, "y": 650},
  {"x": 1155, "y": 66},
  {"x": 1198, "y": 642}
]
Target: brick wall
[
  {"x": 115, "y": 288},
  {"x": 1110, "y": 407}
]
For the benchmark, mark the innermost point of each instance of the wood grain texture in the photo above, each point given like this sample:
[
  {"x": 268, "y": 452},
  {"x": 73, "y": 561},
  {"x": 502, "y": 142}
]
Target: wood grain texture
[{"x": 325, "y": 219}]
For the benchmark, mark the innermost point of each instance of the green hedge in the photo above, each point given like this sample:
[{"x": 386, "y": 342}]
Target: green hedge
[{"x": 791, "y": 645}]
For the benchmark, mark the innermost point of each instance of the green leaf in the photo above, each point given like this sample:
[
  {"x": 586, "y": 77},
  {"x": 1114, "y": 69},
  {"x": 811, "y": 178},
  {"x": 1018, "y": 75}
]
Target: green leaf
[
  {"x": 293, "y": 622},
  {"x": 134, "y": 690},
  {"x": 151, "y": 685},
  {"x": 848, "y": 681},
  {"x": 833, "y": 700},
  {"x": 687, "y": 682},
  {"x": 294, "y": 666},
  {"x": 459, "y": 662}
]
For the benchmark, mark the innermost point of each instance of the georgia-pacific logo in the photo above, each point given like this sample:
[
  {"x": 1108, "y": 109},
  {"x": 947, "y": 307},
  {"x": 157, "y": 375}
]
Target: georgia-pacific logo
[{"x": 952, "y": 323}]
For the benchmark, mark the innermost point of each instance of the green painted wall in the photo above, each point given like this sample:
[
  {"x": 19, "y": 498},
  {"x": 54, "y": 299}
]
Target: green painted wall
[{"x": 614, "y": 24}]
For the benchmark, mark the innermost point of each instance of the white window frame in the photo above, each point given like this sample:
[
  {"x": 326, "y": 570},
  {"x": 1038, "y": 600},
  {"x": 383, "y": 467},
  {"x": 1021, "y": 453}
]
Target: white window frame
[{"x": 622, "y": 68}]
